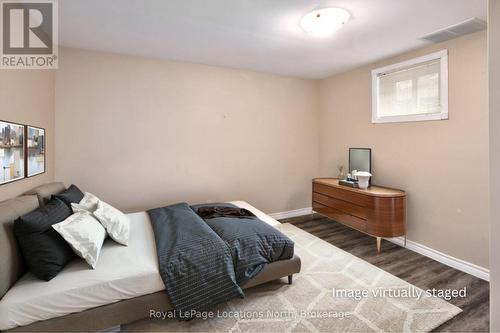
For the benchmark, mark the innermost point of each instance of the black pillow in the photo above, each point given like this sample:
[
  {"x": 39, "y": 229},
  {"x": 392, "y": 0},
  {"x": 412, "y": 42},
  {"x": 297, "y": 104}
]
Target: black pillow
[
  {"x": 71, "y": 195},
  {"x": 45, "y": 252}
]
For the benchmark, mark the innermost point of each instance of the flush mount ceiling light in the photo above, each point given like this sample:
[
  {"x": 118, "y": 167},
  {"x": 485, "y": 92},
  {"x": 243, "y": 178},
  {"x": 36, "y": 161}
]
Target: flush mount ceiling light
[{"x": 324, "y": 21}]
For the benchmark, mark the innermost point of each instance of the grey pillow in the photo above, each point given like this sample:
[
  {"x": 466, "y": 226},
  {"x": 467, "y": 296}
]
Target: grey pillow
[
  {"x": 71, "y": 195},
  {"x": 44, "y": 251}
]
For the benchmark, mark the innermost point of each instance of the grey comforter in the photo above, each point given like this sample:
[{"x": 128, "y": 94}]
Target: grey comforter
[{"x": 205, "y": 262}]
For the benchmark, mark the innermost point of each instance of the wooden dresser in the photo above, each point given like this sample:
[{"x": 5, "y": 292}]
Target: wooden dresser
[{"x": 376, "y": 211}]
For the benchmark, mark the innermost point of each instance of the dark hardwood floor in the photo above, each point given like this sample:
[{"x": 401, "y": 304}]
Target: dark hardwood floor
[{"x": 412, "y": 267}]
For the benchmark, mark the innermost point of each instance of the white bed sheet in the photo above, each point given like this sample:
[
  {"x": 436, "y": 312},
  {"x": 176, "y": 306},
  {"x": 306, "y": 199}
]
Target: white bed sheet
[{"x": 121, "y": 273}]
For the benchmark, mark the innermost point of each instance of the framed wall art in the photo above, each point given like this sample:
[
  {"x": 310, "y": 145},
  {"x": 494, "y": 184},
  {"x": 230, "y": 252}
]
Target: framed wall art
[
  {"x": 35, "y": 150},
  {"x": 12, "y": 152}
]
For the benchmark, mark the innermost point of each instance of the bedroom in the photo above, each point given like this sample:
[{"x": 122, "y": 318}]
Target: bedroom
[{"x": 150, "y": 104}]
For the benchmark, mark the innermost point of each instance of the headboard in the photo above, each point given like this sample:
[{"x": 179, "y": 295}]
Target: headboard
[
  {"x": 44, "y": 192},
  {"x": 11, "y": 261}
]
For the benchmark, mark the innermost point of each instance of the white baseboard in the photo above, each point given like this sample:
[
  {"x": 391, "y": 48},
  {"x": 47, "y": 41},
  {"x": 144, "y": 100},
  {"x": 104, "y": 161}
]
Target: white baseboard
[
  {"x": 292, "y": 213},
  {"x": 461, "y": 265}
]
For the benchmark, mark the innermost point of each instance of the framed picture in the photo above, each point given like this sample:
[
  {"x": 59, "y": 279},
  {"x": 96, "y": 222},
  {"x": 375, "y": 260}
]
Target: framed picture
[
  {"x": 36, "y": 151},
  {"x": 12, "y": 152}
]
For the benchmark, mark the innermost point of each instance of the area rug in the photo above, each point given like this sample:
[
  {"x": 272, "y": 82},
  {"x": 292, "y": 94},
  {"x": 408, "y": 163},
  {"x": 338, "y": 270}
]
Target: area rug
[{"x": 335, "y": 292}]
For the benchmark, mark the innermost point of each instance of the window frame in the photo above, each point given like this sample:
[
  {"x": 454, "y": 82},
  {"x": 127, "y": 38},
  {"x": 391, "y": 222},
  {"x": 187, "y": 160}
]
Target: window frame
[{"x": 443, "y": 115}]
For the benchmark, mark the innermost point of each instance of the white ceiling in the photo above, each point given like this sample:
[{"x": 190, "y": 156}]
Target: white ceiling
[{"x": 261, "y": 35}]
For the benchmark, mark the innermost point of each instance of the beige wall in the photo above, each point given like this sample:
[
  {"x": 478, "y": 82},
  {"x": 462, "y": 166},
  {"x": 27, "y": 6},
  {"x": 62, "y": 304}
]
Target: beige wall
[
  {"x": 443, "y": 165},
  {"x": 142, "y": 133},
  {"x": 494, "y": 79},
  {"x": 27, "y": 97}
]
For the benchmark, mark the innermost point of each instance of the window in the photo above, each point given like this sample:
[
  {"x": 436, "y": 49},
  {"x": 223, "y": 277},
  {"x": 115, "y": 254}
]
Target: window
[{"x": 413, "y": 90}]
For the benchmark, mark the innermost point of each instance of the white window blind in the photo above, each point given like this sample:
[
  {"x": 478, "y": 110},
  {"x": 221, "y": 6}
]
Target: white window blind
[{"x": 411, "y": 91}]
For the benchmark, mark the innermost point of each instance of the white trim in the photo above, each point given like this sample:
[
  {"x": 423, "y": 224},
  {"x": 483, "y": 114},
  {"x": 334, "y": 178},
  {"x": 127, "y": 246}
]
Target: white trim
[
  {"x": 442, "y": 115},
  {"x": 292, "y": 213},
  {"x": 411, "y": 62},
  {"x": 409, "y": 118},
  {"x": 462, "y": 265},
  {"x": 444, "y": 85}
]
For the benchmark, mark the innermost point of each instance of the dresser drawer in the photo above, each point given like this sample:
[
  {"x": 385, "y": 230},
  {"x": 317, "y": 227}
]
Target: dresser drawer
[
  {"x": 339, "y": 216},
  {"x": 344, "y": 195},
  {"x": 343, "y": 206}
]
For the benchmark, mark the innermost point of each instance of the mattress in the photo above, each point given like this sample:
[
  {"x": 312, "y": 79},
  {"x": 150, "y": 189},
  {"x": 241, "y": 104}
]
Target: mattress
[
  {"x": 121, "y": 273},
  {"x": 261, "y": 215}
]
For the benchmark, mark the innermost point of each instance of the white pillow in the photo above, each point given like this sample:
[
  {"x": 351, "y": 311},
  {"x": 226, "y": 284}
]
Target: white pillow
[
  {"x": 87, "y": 204},
  {"x": 116, "y": 223},
  {"x": 84, "y": 234}
]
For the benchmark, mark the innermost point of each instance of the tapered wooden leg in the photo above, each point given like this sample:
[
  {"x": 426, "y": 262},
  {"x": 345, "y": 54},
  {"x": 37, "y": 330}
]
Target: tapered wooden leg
[
  {"x": 290, "y": 279},
  {"x": 379, "y": 241}
]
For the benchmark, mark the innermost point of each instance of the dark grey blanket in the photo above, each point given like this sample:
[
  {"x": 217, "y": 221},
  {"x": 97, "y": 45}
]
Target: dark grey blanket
[
  {"x": 204, "y": 262},
  {"x": 253, "y": 243},
  {"x": 195, "y": 264}
]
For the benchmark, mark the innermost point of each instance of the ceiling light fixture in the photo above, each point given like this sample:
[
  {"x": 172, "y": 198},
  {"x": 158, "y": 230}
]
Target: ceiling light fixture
[{"x": 325, "y": 21}]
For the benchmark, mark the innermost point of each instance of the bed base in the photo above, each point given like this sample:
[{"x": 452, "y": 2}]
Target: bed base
[{"x": 127, "y": 311}]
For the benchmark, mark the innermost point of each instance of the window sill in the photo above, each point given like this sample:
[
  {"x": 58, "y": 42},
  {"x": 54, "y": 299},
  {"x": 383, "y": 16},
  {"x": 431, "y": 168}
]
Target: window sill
[{"x": 412, "y": 118}]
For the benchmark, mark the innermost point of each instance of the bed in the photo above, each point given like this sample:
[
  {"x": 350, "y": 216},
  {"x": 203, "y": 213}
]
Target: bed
[{"x": 124, "y": 287}]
